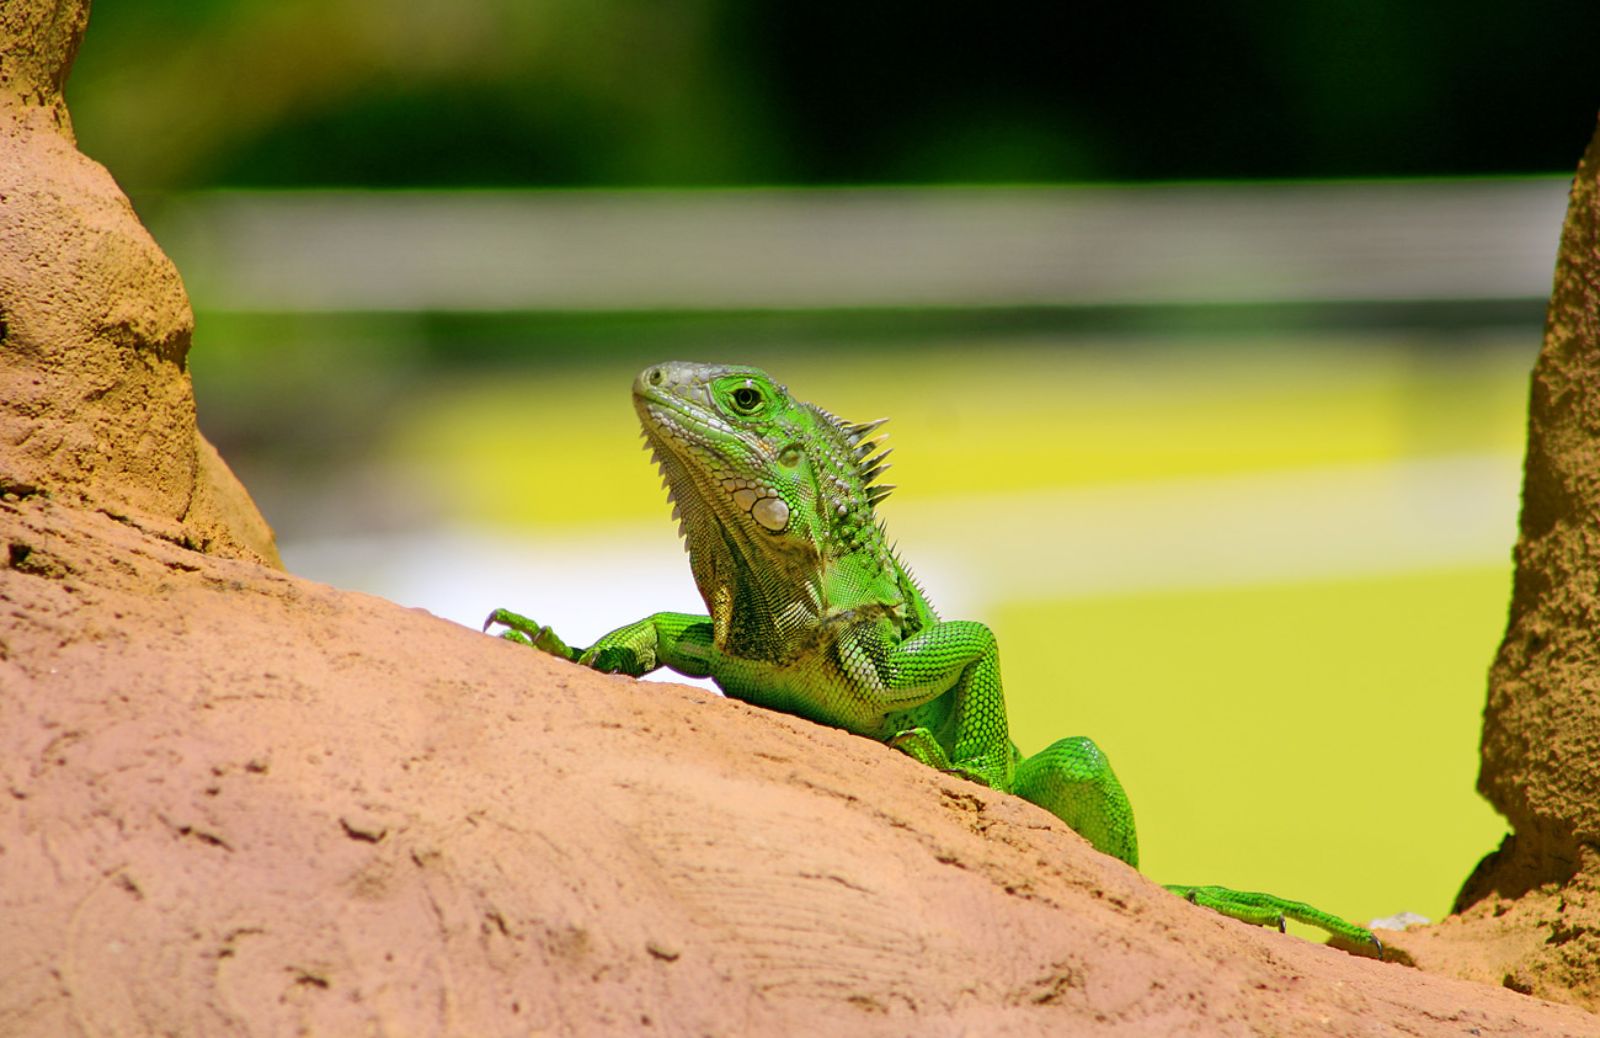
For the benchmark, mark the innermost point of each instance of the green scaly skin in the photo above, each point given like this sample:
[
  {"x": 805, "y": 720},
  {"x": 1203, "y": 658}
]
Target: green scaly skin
[{"x": 811, "y": 612}]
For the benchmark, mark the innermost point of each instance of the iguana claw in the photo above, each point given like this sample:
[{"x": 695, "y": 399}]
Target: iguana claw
[{"x": 528, "y": 632}]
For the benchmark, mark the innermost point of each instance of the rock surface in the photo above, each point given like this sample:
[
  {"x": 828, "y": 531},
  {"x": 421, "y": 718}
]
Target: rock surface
[
  {"x": 95, "y": 400},
  {"x": 1541, "y": 737},
  {"x": 236, "y": 802},
  {"x": 1529, "y": 916}
]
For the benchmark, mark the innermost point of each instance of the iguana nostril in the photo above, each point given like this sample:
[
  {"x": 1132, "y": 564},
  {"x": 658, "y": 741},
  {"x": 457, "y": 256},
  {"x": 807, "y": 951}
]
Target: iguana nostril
[{"x": 654, "y": 377}]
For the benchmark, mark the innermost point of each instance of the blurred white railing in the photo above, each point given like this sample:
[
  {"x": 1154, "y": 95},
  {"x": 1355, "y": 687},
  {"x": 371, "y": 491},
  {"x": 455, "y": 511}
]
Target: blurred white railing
[{"x": 843, "y": 248}]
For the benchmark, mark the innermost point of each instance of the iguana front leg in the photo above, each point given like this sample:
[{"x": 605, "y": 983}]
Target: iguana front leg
[
  {"x": 677, "y": 641},
  {"x": 1071, "y": 779},
  {"x": 956, "y": 664}
]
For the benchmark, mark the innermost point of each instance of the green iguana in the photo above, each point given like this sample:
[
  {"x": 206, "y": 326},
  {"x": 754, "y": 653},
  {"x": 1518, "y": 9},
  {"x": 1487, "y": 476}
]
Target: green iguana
[{"x": 813, "y": 614}]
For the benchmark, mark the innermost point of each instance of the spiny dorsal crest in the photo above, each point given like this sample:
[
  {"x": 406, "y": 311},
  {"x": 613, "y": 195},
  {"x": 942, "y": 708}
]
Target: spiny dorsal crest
[{"x": 870, "y": 461}]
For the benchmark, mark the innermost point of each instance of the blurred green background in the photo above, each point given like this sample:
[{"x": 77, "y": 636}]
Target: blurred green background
[{"x": 1205, "y": 329}]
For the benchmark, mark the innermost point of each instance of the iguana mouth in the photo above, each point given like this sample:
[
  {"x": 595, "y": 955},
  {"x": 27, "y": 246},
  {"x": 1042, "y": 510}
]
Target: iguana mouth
[
  {"x": 671, "y": 438},
  {"x": 672, "y": 406}
]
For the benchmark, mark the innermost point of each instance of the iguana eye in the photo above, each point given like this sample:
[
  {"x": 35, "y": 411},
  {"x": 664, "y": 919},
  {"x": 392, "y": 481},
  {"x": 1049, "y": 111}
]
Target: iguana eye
[{"x": 746, "y": 399}]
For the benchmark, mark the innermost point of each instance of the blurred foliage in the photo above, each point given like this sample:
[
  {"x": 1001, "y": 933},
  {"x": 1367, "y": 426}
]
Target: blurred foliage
[{"x": 186, "y": 93}]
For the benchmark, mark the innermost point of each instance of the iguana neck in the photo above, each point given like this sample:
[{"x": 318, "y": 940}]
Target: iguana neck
[{"x": 757, "y": 597}]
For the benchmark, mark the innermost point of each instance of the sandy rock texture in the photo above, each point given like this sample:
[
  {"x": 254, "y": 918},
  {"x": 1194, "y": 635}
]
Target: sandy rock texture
[
  {"x": 236, "y": 802},
  {"x": 1529, "y": 916},
  {"x": 95, "y": 400}
]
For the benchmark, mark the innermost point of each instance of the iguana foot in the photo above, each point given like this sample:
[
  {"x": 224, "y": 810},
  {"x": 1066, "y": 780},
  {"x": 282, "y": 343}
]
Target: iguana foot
[
  {"x": 920, "y": 745},
  {"x": 528, "y": 632},
  {"x": 1270, "y": 910}
]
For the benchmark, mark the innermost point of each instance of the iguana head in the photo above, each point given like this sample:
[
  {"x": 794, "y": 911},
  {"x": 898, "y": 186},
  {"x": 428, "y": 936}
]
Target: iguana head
[{"x": 755, "y": 472}]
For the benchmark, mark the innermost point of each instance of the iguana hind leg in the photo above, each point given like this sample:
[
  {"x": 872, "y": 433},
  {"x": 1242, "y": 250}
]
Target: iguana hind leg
[{"x": 1073, "y": 780}]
